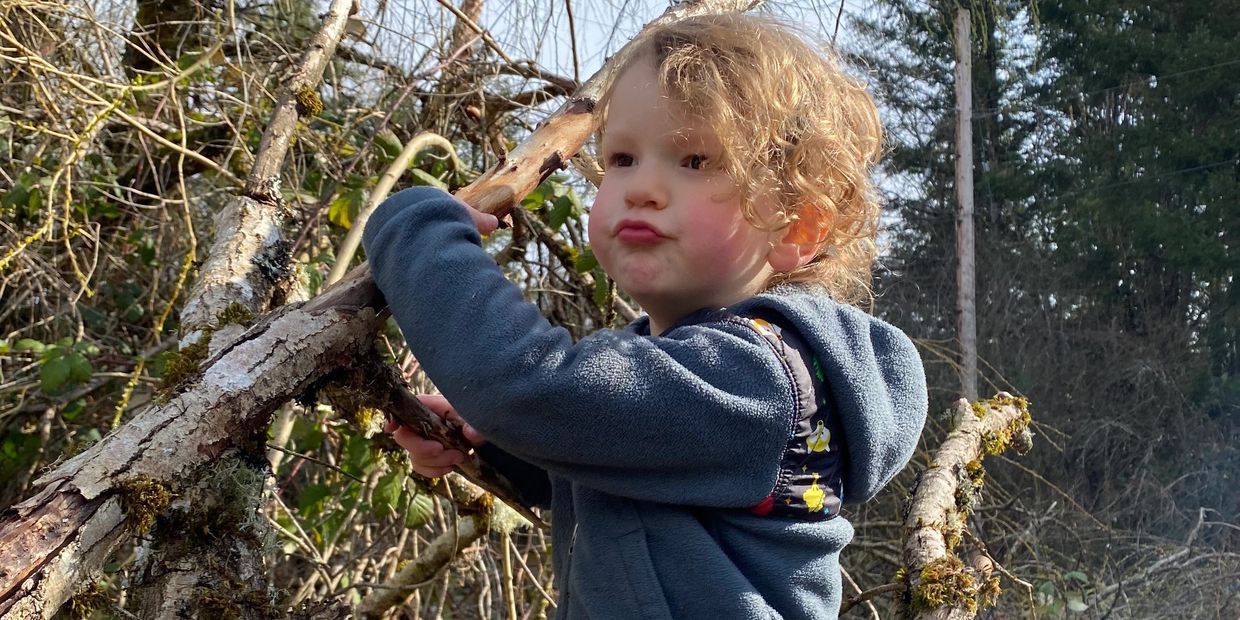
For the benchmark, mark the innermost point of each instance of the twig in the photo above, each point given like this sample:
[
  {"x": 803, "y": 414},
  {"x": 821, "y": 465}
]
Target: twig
[
  {"x": 852, "y": 601},
  {"x": 870, "y": 594},
  {"x": 318, "y": 461}
]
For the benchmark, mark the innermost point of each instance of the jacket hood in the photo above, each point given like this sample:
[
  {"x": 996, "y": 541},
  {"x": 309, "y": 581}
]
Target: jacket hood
[{"x": 874, "y": 375}]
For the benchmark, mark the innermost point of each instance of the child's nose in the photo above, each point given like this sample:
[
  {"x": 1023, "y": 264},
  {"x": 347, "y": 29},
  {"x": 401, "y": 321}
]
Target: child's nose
[{"x": 646, "y": 189}]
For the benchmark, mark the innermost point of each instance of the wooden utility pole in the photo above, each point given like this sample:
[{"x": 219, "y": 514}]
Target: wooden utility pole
[{"x": 966, "y": 297}]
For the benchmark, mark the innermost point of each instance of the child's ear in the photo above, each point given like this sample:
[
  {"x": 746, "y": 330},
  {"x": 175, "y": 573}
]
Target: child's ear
[{"x": 800, "y": 242}]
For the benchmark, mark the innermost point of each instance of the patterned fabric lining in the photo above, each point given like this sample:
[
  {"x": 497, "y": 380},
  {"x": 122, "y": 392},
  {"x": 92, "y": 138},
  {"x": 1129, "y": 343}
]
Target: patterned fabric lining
[{"x": 810, "y": 484}]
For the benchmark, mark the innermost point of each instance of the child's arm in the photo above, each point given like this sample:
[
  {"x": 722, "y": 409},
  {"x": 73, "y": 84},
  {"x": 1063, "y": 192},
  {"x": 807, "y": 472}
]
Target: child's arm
[{"x": 700, "y": 417}]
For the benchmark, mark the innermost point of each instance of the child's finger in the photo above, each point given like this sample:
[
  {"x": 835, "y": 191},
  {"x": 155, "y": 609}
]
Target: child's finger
[{"x": 485, "y": 222}]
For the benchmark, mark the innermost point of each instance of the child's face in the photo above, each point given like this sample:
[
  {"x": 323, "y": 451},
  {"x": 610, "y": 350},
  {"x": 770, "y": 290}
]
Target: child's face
[{"x": 667, "y": 224}]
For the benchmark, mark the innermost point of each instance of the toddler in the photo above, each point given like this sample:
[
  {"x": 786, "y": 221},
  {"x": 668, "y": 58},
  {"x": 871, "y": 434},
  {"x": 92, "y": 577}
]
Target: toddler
[{"x": 694, "y": 461}]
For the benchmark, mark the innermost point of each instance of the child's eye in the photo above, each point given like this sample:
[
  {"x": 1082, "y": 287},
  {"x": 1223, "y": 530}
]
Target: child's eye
[
  {"x": 696, "y": 161},
  {"x": 621, "y": 160}
]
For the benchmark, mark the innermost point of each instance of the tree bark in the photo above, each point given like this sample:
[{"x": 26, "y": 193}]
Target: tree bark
[
  {"x": 55, "y": 541},
  {"x": 250, "y": 255},
  {"x": 966, "y": 295},
  {"x": 940, "y": 585},
  {"x": 247, "y": 262}
]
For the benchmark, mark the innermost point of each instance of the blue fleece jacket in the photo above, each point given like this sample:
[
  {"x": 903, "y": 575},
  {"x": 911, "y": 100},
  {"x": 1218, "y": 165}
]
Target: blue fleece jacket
[{"x": 695, "y": 473}]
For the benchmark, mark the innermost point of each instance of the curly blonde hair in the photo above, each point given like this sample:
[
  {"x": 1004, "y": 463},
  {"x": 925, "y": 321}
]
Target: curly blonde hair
[{"x": 793, "y": 126}]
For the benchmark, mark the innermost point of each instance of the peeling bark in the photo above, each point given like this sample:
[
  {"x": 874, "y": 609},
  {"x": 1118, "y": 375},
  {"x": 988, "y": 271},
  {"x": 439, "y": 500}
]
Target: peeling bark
[{"x": 248, "y": 257}]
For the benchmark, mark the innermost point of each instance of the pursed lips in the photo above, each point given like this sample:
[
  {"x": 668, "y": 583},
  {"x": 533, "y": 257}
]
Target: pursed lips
[{"x": 638, "y": 232}]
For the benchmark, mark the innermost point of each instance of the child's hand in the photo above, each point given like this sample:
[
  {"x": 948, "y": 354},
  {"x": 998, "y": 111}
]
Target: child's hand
[{"x": 429, "y": 457}]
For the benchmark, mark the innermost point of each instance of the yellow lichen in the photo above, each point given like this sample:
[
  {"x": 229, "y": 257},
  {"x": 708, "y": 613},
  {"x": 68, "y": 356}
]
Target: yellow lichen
[
  {"x": 143, "y": 500},
  {"x": 308, "y": 102},
  {"x": 979, "y": 409},
  {"x": 994, "y": 442},
  {"x": 369, "y": 421},
  {"x": 944, "y": 582}
]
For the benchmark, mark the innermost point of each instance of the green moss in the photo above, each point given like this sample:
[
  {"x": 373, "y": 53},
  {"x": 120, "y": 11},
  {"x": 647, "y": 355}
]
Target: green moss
[
  {"x": 143, "y": 500},
  {"x": 308, "y": 102},
  {"x": 234, "y": 313},
  {"x": 214, "y": 604},
  {"x": 1016, "y": 434},
  {"x": 92, "y": 598},
  {"x": 944, "y": 582},
  {"x": 183, "y": 365}
]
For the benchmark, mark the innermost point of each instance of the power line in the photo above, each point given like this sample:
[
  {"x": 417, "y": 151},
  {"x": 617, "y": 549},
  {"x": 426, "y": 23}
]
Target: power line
[{"x": 1234, "y": 160}]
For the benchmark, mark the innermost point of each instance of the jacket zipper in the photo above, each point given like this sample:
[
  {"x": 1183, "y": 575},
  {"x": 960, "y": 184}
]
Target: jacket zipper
[{"x": 568, "y": 568}]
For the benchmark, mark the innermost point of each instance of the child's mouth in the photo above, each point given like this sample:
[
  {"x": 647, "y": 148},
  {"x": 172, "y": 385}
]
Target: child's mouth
[{"x": 636, "y": 232}]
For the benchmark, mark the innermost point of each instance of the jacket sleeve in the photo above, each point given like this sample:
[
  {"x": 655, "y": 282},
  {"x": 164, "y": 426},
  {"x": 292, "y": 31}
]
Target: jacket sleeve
[
  {"x": 699, "y": 416},
  {"x": 530, "y": 481}
]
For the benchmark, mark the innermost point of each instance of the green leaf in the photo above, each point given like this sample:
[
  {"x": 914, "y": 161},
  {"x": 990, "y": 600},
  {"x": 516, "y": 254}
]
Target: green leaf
[
  {"x": 1077, "y": 576},
  {"x": 34, "y": 203},
  {"x": 535, "y": 199},
  {"x": 1076, "y": 604},
  {"x": 5, "y": 347},
  {"x": 311, "y": 499},
  {"x": 53, "y": 374},
  {"x": 73, "y": 410},
  {"x": 79, "y": 367},
  {"x": 422, "y": 177},
  {"x": 187, "y": 60},
  {"x": 561, "y": 210},
  {"x": 344, "y": 209},
  {"x": 585, "y": 261},
  {"x": 602, "y": 291},
  {"x": 387, "y": 493},
  {"x": 29, "y": 344},
  {"x": 89, "y": 436},
  {"x": 387, "y": 141},
  {"x": 356, "y": 457},
  {"x": 420, "y": 510}
]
